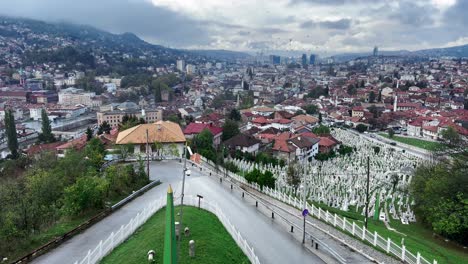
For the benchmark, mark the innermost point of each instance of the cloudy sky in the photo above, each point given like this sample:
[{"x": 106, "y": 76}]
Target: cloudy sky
[{"x": 319, "y": 26}]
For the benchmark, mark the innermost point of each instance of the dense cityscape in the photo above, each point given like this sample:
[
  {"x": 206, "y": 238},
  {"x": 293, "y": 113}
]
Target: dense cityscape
[{"x": 369, "y": 150}]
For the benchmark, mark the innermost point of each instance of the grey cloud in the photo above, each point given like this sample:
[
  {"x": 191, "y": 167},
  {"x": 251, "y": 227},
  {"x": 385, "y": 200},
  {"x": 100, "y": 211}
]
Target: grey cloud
[
  {"x": 118, "y": 16},
  {"x": 341, "y": 24},
  {"x": 334, "y": 2},
  {"x": 457, "y": 16},
  {"x": 412, "y": 14}
]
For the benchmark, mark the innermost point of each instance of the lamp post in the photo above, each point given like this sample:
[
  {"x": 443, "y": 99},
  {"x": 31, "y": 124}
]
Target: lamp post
[{"x": 184, "y": 173}]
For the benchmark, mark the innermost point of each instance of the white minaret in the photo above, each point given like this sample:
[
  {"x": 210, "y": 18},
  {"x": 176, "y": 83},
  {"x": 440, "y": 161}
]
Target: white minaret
[
  {"x": 395, "y": 104},
  {"x": 398, "y": 84}
]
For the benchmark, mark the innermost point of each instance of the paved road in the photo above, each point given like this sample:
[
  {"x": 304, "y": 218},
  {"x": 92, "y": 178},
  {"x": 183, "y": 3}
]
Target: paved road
[{"x": 271, "y": 243}]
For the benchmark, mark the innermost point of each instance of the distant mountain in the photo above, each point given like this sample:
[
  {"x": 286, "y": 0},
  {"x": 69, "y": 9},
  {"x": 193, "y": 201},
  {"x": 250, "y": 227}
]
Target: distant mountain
[
  {"x": 457, "y": 51},
  {"x": 221, "y": 54},
  {"x": 41, "y": 42}
]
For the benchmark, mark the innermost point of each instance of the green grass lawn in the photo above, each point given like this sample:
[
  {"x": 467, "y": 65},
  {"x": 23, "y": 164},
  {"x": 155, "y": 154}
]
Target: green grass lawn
[
  {"x": 418, "y": 238},
  {"x": 213, "y": 244},
  {"x": 424, "y": 144}
]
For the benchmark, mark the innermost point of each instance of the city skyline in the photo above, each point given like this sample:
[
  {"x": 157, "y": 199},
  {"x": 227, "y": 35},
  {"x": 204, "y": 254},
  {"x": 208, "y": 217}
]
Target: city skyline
[{"x": 311, "y": 26}]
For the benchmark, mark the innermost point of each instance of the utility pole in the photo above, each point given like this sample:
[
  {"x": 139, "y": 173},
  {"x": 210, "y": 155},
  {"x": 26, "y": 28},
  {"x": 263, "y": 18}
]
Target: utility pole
[
  {"x": 182, "y": 195},
  {"x": 147, "y": 154},
  {"x": 367, "y": 192},
  {"x": 304, "y": 194}
]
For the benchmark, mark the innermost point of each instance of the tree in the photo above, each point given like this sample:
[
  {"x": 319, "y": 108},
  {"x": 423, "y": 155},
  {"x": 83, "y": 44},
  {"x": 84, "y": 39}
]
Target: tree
[
  {"x": 451, "y": 136},
  {"x": 371, "y": 97},
  {"x": 235, "y": 115},
  {"x": 321, "y": 130},
  {"x": 361, "y": 128},
  {"x": 230, "y": 129},
  {"x": 104, "y": 128},
  {"x": 46, "y": 135},
  {"x": 89, "y": 134},
  {"x": 311, "y": 109},
  {"x": 440, "y": 195},
  {"x": 86, "y": 194},
  {"x": 390, "y": 132},
  {"x": 320, "y": 118},
  {"x": 10, "y": 131},
  {"x": 293, "y": 178},
  {"x": 379, "y": 97},
  {"x": 95, "y": 152},
  {"x": 465, "y": 105}
]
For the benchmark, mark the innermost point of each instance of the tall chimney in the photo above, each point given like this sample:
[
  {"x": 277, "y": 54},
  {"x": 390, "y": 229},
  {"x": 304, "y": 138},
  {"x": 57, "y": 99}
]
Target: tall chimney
[{"x": 395, "y": 103}]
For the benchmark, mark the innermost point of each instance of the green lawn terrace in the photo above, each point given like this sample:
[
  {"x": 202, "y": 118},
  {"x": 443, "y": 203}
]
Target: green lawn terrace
[
  {"x": 213, "y": 243},
  {"x": 420, "y": 143}
]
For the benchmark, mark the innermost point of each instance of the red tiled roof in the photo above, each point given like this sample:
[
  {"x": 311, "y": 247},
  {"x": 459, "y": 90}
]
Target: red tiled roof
[
  {"x": 77, "y": 143},
  {"x": 196, "y": 128},
  {"x": 34, "y": 149},
  {"x": 326, "y": 142}
]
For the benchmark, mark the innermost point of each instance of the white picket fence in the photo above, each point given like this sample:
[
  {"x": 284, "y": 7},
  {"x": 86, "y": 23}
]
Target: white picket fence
[
  {"x": 116, "y": 238},
  {"x": 385, "y": 244}
]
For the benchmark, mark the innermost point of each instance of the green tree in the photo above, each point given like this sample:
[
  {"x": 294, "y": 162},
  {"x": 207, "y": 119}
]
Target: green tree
[
  {"x": 320, "y": 118},
  {"x": 12, "y": 136},
  {"x": 293, "y": 177},
  {"x": 235, "y": 115},
  {"x": 230, "y": 129},
  {"x": 440, "y": 193},
  {"x": 89, "y": 134},
  {"x": 451, "y": 136},
  {"x": 361, "y": 128},
  {"x": 321, "y": 130},
  {"x": 87, "y": 193},
  {"x": 95, "y": 153},
  {"x": 391, "y": 132},
  {"x": 46, "y": 135},
  {"x": 371, "y": 97},
  {"x": 311, "y": 109},
  {"x": 104, "y": 128}
]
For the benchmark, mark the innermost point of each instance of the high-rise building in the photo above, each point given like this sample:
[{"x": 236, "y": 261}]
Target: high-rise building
[
  {"x": 376, "y": 51},
  {"x": 304, "y": 60},
  {"x": 181, "y": 65},
  {"x": 312, "y": 59},
  {"x": 274, "y": 59}
]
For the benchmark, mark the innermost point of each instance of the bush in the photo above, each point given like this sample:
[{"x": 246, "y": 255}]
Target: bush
[
  {"x": 361, "y": 128},
  {"x": 86, "y": 194}
]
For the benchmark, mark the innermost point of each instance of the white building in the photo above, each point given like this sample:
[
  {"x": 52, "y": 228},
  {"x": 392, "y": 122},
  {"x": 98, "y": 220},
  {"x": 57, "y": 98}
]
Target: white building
[
  {"x": 181, "y": 65},
  {"x": 73, "y": 96}
]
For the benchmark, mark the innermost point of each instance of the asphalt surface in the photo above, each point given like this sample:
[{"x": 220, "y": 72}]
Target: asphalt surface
[{"x": 272, "y": 244}]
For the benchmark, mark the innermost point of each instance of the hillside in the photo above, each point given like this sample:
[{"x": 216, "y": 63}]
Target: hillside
[{"x": 26, "y": 42}]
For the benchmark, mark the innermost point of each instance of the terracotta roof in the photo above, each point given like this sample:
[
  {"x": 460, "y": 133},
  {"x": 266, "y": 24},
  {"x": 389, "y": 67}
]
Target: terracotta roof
[
  {"x": 306, "y": 119},
  {"x": 161, "y": 131},
  {"x": 282, "y": 145},
  {"x": 326, "y": 142},
  {"x": 34, "y": 149},
  {"x": 77, "y": 143},
  {"x": 196, "y": 128}
]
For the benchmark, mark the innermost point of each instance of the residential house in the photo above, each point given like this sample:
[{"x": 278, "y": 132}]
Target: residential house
[{"x": 162, "y": 138}]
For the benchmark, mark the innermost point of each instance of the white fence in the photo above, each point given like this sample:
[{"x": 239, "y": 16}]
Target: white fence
[
  {"x": 385, "y": 244},
  {"x": 116, "y": 238}
]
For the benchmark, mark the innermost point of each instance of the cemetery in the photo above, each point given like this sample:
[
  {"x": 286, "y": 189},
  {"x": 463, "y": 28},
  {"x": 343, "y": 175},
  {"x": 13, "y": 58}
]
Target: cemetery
[{"x": 339, "y": 186}]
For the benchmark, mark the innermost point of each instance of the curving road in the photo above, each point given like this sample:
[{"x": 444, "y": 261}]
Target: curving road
[{"x": 270, "y": 241}]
